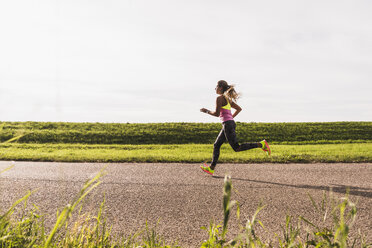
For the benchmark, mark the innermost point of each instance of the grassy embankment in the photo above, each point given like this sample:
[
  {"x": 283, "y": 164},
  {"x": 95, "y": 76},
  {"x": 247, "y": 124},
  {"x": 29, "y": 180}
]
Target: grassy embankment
[{"x": 183, "y": 142}]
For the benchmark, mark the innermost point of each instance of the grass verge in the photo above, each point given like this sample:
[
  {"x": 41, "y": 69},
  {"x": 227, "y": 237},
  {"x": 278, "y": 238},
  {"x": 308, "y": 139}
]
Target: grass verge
[
  {"x": 180, "y": 133},
  {"x": 187, "y": 153}
]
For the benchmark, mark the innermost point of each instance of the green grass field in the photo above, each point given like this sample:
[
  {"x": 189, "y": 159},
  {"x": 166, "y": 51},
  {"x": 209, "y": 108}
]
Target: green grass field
[
  {"x": 189, "y": 153},
  {"x": 183, "y": 142},
  {"x": 182, "y": 133}
]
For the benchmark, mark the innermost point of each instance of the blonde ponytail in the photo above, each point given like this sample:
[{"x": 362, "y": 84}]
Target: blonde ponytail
[
  {"x": 231, "y": 93},
  {"x": 228, "y": 90}
]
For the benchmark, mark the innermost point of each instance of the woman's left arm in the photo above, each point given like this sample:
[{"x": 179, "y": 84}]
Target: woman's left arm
[{"x": 236, "y": 107}]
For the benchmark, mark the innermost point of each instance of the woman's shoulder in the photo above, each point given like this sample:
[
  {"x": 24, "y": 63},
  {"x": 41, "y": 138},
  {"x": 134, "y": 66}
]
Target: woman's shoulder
[{"x": 223, "y": 99}]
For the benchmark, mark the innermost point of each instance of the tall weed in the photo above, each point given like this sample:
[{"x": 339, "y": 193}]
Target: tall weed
[{"x": 305, "y": 233}]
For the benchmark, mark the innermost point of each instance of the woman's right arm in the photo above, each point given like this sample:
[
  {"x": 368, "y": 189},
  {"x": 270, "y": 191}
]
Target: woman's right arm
[{"x": 218, "y": 107}]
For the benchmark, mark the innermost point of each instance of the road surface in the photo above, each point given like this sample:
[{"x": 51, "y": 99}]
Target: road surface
[{"x": 182, "y": 198}]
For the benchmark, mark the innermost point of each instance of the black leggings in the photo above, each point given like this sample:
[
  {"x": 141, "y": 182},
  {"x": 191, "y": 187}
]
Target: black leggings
[{"x": 228, "y": 133}]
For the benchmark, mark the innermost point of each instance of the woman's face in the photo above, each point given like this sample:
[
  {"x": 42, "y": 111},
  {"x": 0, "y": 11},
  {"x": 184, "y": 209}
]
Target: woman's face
[{"x": 218, "y": 89}]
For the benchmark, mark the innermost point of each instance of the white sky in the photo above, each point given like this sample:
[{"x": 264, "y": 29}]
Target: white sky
[{"x": 159, "y": 61}]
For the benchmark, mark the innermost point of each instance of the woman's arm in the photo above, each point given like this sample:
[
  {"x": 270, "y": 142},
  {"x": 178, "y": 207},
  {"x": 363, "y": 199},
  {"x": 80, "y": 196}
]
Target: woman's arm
[
  {"x": 236, "y": 107},
  {"x": 218, "y": 107}
]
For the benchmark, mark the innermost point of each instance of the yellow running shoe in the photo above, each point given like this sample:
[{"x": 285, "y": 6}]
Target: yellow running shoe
[
  {"x": 207, "y": 169},
  {"x": 265, "y": 147}
]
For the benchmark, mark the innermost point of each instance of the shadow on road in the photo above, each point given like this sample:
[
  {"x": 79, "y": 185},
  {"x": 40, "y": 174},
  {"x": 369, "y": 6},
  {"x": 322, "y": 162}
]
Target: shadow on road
[{"x": 357, "y": 191}]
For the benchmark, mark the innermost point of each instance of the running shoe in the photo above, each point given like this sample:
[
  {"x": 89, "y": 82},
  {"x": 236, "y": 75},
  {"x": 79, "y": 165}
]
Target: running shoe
[
  {"x": 207, "y": 169},
  {"x": 266, "y": 147}
]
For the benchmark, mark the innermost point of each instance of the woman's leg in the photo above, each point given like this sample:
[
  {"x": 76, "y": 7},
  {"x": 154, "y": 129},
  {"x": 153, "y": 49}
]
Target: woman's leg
[
  {"x": 221, "y": 138},
  {"x": 229, "y": 129}
]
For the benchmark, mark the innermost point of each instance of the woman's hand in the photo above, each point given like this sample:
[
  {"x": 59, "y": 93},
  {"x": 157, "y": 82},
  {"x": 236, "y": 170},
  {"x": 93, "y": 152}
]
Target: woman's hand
[{"x": 204, "y": 110}]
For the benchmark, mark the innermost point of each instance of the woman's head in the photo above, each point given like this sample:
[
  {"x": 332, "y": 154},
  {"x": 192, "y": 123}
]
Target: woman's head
[{"x": 224, "y": 88}]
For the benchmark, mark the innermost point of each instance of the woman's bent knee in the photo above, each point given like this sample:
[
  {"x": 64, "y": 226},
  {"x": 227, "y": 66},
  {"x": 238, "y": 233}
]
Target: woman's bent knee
[{"x": 236, "y": 148}]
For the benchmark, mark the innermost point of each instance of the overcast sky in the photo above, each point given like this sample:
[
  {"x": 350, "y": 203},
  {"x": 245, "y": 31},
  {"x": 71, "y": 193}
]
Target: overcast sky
[{"x": 159, "y": 61}]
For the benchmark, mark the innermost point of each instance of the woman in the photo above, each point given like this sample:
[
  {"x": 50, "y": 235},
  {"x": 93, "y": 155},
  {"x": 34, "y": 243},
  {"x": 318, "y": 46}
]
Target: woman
[{"x": 225, "y": 101}]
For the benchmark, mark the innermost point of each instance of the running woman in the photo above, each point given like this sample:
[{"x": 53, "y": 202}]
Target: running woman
[{"x": 225, "y": 101}]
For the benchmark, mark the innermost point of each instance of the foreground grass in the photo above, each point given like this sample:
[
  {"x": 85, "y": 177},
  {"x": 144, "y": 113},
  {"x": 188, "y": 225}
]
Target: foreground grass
[
  {"x": 93, "y": 231},
  {"x": 187, "y": 153}
]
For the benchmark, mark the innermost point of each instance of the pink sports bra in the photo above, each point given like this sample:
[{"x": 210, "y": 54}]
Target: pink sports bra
[{"x": 225, "y": 112}]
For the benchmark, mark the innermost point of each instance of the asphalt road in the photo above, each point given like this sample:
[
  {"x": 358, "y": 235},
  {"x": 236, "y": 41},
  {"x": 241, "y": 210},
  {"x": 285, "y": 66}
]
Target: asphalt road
[{"x": 182, "y": 198}]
